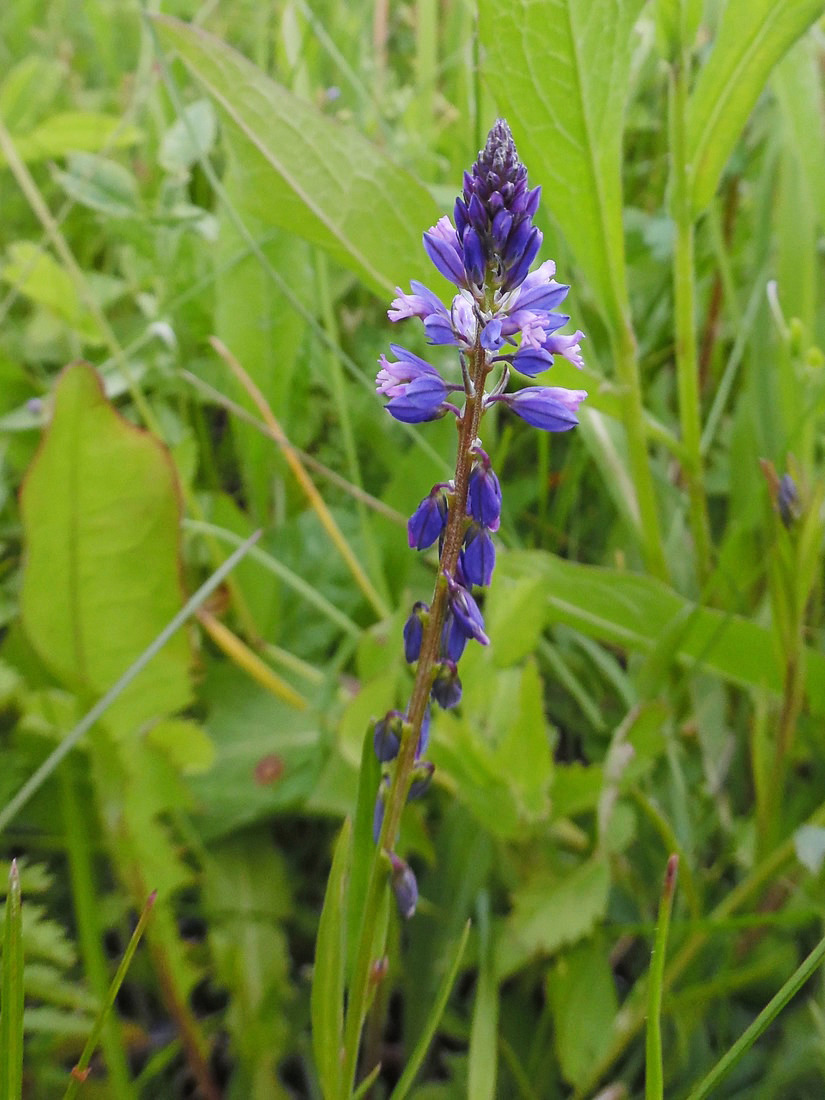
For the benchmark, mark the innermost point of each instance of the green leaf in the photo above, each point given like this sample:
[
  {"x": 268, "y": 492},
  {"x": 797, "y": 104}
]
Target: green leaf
[
  {"x": 100, "y": 184},
  {"x": 640, "y": 613},
  {"x": 40, "y": 277},
  {"x": 483, "y": 1053},
  {"x": 101, "y": 518},
  {"x": 582, "y": 995},
  {"x": 189, "y": 138},
  {"x": 327, "y": 999},
  {"x": 549, "y": 914},
  {"x": 186, "y": 745},
  {"x": 74, "y": 131},
  {"x": 304, "y": 172},
  {"x": 753, "y": 36},
  {"x": 11, "y": 1016},
  {"x": 561, "y": 71},
  {"x": 363, "y": 852}
]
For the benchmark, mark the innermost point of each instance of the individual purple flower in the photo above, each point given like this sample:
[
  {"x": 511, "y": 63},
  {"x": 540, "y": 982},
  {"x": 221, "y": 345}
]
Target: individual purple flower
[
  {"x": 425, "y": 525},
  {"x": 422, "y": 778},
  {"x": 466, "y": 612},
  {"x": 414, "y": 632},
  {"x": 787, "y": 501},
  {"x": 547, "y": 407},
  {"x": 444, "y": 249},
  {"x": 446, "y": 688},
  {"x": 478, "y": 558},
  {"x": 453, "y": 639},
  {"x": 386, "y": 738},
  {"x": 484, "y": 495},
  {"x": 421, "y": 302},
  {"x": 404, "y": 886},
  {"x": 416, "y": 390}
]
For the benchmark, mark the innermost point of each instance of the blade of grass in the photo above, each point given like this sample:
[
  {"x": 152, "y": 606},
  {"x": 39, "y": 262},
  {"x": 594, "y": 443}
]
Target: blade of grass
[
  {"x": 654, "y": 1077},
  {"x": 81, "y": 1070},
  {"x": 35, "y": 781},
  {"x": 407, "y": 1078},
  {"x": 11, "y": 1017},
  {"x": 304, "y": 480},
  {"x": 762, "y": 1022}
]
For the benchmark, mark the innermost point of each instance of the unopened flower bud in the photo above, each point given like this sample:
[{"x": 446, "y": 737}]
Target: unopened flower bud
[
  {"x": 446, "y": 689},
  {"x": 387, "y": 736},
  {"x": 404, "y": 886}
]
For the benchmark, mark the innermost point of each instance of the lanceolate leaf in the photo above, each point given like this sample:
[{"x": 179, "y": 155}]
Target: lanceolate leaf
[
  {"x": 101, "y": 519},
  {"x": 643, "y": 614},
  {"x": 560, "y": 71},
  {"x": 316, "y": 177},
  {"x": 327, "y": 1000},
  {"x": 753, "y": 36}
]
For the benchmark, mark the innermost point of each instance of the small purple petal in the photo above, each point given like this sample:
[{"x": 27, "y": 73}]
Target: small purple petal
[
  {"x": 453, "y": 639},
  {"x": 484, "y": 497},
  {"x": 428, "y": 520},
  {"x": 491, "y": 338},
  {"x": 466, "y": 613},
  {"x": 479, "y": 556},
  {"x": 547, "y": 407},
  {"x": 474, "y": 259},
  {"x": 404, "y": 886},
  {"x": 568, "y": 346},
  {"x": 446, "y": 689},
  {"x": 531, "y": 361},
  {"x": 414, "y": 632},
  {"x": 442, "y": 246},
  {"x": 386, "y": 738},
  {"x": 423, "y": 399}
]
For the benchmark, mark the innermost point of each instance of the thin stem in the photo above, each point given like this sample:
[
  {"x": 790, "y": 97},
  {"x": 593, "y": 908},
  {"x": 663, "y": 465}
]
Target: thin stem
[
  {"x": 453, "y": 537},
  {"x": 649, "y": 529},
  {"x": 654, "y": 1076},
  {"x": 684, "y": 286}
]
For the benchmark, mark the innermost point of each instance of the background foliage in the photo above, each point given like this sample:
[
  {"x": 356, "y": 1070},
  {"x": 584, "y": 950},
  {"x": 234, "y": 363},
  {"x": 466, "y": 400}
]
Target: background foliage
[{"x": 214, "y": 212}]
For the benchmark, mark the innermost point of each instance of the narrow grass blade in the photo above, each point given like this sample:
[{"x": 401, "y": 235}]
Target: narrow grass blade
[
  {"x": 422, "y": 1046},
  {"x": 81, "y": 1070},
  {"x": 654, "y": 1078},
  {"x": 35, "y": 781},
  {"x": 327, "y": 998},
  {"x": 11, "y": 1007},
  {"x": 762, "y": 1022},
  {"x": 483, "y": 1057}
]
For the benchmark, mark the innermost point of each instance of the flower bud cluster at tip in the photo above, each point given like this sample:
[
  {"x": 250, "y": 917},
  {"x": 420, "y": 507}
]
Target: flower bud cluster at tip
[{"x": 503, "y": 315}]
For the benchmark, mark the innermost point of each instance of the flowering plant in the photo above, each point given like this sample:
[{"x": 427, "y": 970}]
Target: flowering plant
[{"x": 503, "y": 319}]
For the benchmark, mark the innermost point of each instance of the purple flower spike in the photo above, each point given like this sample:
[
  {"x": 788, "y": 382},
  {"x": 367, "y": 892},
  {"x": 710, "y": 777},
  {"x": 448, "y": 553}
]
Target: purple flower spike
[
  {"x": 479, "y": 556},
  {"x": 466, "y": 612},
  {"x": 428, "y": 520},
  {"x": 414, "y": 632},
  {"x": 484, "y": 496},
  {"x": 404, "y": 886}
]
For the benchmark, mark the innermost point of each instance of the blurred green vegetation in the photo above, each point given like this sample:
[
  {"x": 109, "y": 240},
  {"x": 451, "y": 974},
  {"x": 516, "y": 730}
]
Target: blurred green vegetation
[{"x": 213, "y": 213}]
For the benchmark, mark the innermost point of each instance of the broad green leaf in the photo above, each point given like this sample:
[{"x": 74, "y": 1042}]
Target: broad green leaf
[
  {"x": 101, "y": 518},
  {"x": 549, "y": 914},
  {"x": 582, "y": 994},
  {"x": 753, "y": 36},
  {"x": 268, "y": 755},
  {"x": 560, "y": 69},
  {"x": 75, "y": 131},
  {"x": 639, "y": 613},
  {"x": 327, "y": 999},
  {"x": 102, "y": 185},
  {"x": 316, "y": 177},
  {"x": 27, "y": 90},
  {"x": 524, "y": 753}
]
